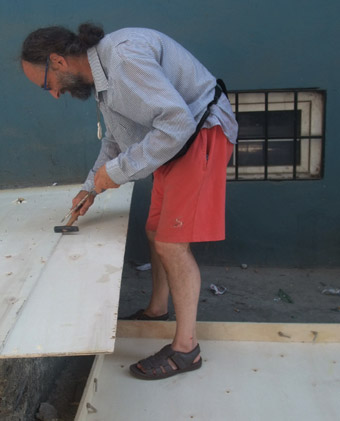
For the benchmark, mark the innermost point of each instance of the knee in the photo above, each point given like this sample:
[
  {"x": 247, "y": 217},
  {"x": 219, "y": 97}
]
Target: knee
[
  {"x": 170, "y": 250},
  {"x": 160, "y": 248}
]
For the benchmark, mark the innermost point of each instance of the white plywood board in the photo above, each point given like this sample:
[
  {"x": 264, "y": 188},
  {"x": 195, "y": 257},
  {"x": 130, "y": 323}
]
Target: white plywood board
[
  {"x": 239, "y": 381},
  {"x": 59, "y": 293}
]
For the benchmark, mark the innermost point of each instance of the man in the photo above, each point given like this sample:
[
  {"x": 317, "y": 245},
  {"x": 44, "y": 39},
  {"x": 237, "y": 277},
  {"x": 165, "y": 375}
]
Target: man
[{"x": 163, "y": 115}]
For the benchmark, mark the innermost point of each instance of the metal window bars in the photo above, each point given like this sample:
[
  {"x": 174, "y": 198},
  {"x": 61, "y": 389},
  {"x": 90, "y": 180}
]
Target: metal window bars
[{"x": 281, "y": 134}]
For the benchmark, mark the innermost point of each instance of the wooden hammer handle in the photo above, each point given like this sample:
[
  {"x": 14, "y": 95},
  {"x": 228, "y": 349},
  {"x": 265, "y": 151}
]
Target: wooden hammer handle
[{"x": 73, "y": 218}]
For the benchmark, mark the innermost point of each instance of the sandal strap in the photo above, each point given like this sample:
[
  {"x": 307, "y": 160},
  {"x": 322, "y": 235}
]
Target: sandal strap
[
  {"x": 185, "y": 359},
  {"x": 158, "y": 363},
  {"x": 155, "y": 361}
]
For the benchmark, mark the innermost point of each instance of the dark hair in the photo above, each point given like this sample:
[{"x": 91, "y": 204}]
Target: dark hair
[{"x": 57, "y": 39}]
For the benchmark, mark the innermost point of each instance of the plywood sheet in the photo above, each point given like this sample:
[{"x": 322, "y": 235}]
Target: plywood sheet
[
  {"x": 59, "y": 293},
  {"x": 239, "y": 381}
]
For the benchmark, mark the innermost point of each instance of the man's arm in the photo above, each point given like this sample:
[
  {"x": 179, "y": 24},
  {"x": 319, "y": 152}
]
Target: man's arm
[
  {"x": 141, "y": 92},
  {"x": 109, "y": 150}
]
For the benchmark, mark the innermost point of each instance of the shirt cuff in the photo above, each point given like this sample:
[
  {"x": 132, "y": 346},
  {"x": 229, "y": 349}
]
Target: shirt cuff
[
  {"x": 88, "y": 185},
  {"x": 115, "y": 173}
]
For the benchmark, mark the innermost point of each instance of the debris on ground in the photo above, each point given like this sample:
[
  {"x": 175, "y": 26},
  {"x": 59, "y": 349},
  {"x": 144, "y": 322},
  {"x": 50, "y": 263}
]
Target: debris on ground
[
  {"x": 331, "y": 291},
  {"x": 20, "y": 200},
  {"x": 217, "y": 290},
  {"x": 284, "y": 296},
  {"x": 47, "y": 412},
  {"x": 244, "y": 266},
  {"x": 147, "y": 266}
]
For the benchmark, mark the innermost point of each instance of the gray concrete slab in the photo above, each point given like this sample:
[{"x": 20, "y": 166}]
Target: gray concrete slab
[{"x": 251, "y": 296}]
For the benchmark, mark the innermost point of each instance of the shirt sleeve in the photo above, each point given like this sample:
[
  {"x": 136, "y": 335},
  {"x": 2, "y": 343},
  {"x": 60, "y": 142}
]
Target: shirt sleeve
[
  {"x": 108, "y": 151},
  {"x": 142, "y": 93}
]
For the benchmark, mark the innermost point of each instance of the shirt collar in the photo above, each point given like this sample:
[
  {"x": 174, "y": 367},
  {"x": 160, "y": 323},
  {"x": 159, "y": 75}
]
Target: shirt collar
[{"x": 99, "y": 77}]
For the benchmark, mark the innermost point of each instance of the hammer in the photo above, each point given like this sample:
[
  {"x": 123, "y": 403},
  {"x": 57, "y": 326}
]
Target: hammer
[
  {"x": 74, "y": 212},
  {"x": 68, "y": 227}
]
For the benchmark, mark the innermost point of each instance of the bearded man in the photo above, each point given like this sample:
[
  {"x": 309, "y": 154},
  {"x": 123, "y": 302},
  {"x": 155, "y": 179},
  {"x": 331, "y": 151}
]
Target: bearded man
[{"x": 166, "y": 115}]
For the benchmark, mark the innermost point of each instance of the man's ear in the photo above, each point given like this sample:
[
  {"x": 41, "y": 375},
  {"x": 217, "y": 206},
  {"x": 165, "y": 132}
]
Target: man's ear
[{"x": 58, "y": 62}]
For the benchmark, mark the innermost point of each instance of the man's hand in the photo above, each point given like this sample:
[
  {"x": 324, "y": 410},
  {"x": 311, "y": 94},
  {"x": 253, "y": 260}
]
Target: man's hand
[
  {"x": 102, "y": 181},
  {"x": 85, "y": 206}
]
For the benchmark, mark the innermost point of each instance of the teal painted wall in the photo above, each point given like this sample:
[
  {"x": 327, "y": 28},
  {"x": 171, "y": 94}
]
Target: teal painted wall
[{"x": 251, "y": 45}]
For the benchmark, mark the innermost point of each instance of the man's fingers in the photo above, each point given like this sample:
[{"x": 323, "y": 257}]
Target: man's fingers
[
  {"x": 83, "y": 210},
  {"x": 86, "y": 205},
  {"x": 78, "y": 198}
]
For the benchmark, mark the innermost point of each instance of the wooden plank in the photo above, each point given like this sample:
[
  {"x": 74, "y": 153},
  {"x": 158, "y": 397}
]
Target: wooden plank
[
  {"x": 68, "y": 305},
  {"x": 239, "y": 381},
  {"x": 235, "y": 331}
]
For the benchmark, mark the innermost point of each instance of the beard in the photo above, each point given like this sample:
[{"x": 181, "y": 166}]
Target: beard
[{"x": 75, "y": 84}]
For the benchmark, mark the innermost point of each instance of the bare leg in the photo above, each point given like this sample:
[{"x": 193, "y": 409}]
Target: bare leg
[
  {"x": 158, "y": 304},
  {"x": 185, "y": 283},
  {"x": 184, "y": 279}
]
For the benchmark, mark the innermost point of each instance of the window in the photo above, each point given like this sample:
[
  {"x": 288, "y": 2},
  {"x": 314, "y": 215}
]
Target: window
[{"x": 281, "y": 134}]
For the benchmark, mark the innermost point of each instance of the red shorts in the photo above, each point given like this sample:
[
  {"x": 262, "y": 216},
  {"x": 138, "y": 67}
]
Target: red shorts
[{"x": 188, "y": 195}]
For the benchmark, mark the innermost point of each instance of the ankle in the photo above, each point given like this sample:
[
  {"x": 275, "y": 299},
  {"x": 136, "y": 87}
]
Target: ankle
[
  {"x": 151, "y": 312},
  {"x": 157, "y": 306},
  {"x": 185, "y": 346}
]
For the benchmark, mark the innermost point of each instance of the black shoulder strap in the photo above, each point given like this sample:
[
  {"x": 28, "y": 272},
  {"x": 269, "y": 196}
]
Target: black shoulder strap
[{"x": 220, "y": 87}]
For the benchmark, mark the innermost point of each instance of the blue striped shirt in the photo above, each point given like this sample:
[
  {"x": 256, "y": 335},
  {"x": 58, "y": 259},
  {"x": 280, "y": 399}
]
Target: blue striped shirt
[{"x": 152, "y": 93}]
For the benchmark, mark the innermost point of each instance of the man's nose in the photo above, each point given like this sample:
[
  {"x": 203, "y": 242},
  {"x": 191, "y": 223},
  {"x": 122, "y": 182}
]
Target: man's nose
[{"x": 55, "y": 93}]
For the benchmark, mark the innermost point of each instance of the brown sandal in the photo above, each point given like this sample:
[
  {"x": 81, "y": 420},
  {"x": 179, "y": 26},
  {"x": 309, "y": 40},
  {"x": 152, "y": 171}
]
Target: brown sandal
[{"x": 157, "y": 366}]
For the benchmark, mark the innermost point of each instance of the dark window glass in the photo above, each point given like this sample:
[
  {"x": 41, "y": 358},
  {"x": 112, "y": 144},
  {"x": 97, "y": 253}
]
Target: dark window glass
[{"x": 280, "y": 127}]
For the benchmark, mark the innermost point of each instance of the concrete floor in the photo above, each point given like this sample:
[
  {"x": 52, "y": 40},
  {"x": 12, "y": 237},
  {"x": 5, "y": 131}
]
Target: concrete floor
[
  {"x": 251, "y": 296},
  {"x": 238, "y": 381}
]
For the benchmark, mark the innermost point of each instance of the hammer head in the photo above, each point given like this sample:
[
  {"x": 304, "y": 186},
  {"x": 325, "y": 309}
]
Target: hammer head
[
  {"x": 65, "y": 229},
  {"x": 68, "y": 227}
]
